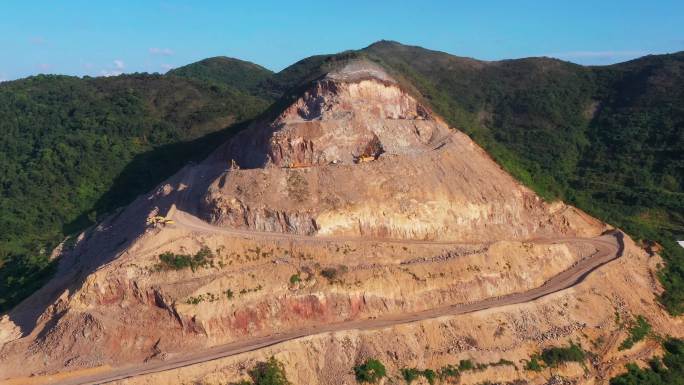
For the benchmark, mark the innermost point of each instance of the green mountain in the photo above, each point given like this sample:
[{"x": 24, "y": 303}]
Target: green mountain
[
  {"x": 239, "y": 74},
  {"x": 607, "y": 139}
]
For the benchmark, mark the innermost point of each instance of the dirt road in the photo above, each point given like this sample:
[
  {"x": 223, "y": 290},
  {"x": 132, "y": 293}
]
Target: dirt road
[
  {"x": 191, "y": 222},
  {"x": 609, "y": 247}
]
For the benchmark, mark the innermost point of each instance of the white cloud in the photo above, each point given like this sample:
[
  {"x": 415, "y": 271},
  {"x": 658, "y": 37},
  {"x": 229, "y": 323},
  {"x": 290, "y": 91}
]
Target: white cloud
[
  {"x": 44, "y": 66},
  {"x": 161, "y": 51},
  {"x": 596, "y": 54},
  {"x": 116, "y": 70},
  {"x": 108, "y": 73},
  {"x": 167, "y": 67}
]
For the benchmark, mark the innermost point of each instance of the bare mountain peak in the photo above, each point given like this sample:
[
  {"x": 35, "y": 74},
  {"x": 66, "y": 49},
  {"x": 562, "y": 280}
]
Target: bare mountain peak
[
  {"x": 359, "y": 69},
  {"x": 354, "y": 112}
]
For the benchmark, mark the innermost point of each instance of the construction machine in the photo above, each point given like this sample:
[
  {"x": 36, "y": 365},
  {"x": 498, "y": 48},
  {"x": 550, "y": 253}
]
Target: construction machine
[
  {"x": 365, "y": 159},
  {"x": 159, "y": 220},
  {"x": 296, "y": 164}
]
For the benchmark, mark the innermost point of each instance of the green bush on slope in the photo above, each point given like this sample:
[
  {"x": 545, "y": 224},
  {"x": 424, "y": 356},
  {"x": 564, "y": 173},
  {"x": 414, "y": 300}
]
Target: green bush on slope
[{"x": 371, "y": 371}]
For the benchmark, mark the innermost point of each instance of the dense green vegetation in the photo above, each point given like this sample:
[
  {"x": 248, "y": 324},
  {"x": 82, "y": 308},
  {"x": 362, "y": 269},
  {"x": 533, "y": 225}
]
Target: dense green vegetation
[
  {"x": 669, "y": 370},
  {"x": 370, "y": 371},
  {"x": 241, "y": 75},
  {"x": 74, "y": 149}
]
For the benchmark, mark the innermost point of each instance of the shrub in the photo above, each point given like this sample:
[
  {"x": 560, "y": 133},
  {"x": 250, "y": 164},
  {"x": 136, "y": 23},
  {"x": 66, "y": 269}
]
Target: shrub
[
  {"x": 464, "y": 365},
  {"x": 271, "y": 372},
  {"x": 295, "y": 278},
  {"x": 370, "y": 371},
  {"x": 637, "y": 332},
  {"x": 172, "y": 261},
  {"x": 195, "y": 300},
  {"x": 448, "y": 371},
  {"x": 204, "y": 252},
  {"x": 533, "y": 364},
  {"x": 503, "y": 362},
  {"x": 330, "y": 273},
  {"x": 556, "y": 355},
  {"x": 410, "y": 374},
  {"x": 430, "y": 376},
  {"x": 229, "y": 293}
]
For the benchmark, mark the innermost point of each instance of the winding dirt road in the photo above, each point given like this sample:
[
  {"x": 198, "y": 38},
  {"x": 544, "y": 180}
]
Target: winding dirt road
[{"x": 609, "y": 247}]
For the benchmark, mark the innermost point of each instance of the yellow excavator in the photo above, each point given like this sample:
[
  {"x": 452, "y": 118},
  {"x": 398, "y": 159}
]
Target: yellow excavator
[
  {"x": 365, "y": 159},
  {"x": 159, "y": 219}
]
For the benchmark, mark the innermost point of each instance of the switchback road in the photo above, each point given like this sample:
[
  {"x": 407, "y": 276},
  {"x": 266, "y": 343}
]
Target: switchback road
[{"x": 608, "y": 248}]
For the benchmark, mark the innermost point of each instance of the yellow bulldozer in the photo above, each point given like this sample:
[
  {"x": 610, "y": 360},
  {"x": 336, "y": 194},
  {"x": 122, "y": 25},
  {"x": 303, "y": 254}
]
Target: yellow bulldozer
[{"x": 159, "y": 220}]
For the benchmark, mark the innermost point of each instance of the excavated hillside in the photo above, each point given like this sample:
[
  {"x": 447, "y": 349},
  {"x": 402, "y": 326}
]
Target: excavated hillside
[
  {"x": 353, "y": 210},
  {"x": 356, "y": 155}
]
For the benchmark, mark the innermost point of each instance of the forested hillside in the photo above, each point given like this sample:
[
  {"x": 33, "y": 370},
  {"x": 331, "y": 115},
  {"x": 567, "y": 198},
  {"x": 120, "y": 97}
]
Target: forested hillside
[
  {"x": 241, "y": 75},
  {"x": 73, "y": 149}
]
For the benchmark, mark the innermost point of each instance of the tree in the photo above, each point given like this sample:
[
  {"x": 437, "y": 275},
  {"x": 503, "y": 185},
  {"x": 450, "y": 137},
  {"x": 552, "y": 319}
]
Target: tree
[
  {"x": 370, "y": 371},
  {"x": 271, "y": 372}
]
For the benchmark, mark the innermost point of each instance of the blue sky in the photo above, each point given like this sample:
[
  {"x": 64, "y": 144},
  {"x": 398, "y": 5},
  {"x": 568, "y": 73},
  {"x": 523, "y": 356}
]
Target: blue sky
[{"x": 107, "y": 38}]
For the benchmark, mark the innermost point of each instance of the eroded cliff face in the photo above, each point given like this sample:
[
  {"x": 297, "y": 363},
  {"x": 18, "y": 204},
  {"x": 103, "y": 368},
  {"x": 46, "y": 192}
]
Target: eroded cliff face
[
  {"x": 358, "y": 111},
  {"x": 585, "y": 314},
  {"x": 356, "y": 155},
  {"x": 133, "y": 309}
]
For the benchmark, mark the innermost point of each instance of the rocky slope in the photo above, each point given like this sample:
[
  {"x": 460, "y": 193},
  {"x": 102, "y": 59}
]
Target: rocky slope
[
  {"x": 353, "y": 202},
  {"x": 357, "y": 155},
  {"x": 587, "y": 314}
]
